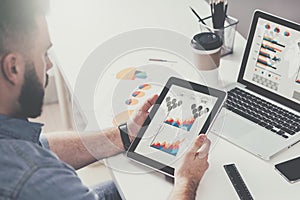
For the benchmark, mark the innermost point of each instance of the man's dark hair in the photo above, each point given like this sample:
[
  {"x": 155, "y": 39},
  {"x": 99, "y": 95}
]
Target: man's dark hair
[{"x": 18, "y": 22}]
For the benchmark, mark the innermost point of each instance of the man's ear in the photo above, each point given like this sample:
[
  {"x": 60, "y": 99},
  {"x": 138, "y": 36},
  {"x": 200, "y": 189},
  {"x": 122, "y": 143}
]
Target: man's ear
[{"x": 10, "y": 68}]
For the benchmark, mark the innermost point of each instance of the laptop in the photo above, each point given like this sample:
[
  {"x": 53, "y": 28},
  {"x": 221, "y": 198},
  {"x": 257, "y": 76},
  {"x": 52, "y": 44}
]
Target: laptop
[{"x": 262, "y": 112}]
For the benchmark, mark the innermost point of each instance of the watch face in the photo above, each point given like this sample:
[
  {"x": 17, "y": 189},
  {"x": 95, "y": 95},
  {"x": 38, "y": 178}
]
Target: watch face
[{"x": 124, "y": 135}]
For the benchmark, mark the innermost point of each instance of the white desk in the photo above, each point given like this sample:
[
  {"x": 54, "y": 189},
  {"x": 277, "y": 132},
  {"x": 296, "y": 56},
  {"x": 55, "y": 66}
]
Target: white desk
[{"x": 78, "y": 27}]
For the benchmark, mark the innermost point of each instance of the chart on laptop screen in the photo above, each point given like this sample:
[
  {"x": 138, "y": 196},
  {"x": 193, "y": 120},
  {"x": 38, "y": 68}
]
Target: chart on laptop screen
[{"x": 274, "y": 59}]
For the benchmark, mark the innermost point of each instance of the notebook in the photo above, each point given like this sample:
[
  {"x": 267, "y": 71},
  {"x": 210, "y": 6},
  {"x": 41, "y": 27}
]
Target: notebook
[{"x": 262, "y": 110}]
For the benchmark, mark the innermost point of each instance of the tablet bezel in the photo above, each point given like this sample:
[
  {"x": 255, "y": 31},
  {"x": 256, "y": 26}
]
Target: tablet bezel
[{"x": 221, "y": 97}]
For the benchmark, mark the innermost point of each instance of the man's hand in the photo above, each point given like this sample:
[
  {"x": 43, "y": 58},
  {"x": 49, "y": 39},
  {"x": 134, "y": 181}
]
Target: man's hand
[
  {"x": 91, "y": 146},
  {"x": 191, "y": 169},
  {"x": 137, "y": 119}
]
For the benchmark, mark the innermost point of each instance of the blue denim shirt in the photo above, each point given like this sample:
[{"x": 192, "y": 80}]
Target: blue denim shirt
[{"x": 29, "y": 171}]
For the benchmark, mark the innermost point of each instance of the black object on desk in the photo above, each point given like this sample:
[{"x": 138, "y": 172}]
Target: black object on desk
[
  {"x": 200, "y": 19},
  {"x": 218, "y": 12},
  {"x": 238, "y": 182},
  {"x": 290, "y": 169}
]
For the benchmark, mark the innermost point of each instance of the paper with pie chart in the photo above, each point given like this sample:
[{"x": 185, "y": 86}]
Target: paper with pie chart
[
  {"x": 131, "y": 73},
  {"x": 132, "y": 78}
]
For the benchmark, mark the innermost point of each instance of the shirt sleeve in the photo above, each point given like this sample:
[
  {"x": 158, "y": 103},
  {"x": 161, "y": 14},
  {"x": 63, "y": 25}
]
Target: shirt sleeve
[{"x": 50, "y": 183}]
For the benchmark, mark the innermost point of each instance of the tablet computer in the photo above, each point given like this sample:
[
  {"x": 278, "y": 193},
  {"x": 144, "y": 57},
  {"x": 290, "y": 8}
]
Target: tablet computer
[{"x": 182, "y": 111}]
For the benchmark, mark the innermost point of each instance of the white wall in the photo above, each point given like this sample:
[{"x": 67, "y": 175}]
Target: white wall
[{"x": 243, "y": 10}]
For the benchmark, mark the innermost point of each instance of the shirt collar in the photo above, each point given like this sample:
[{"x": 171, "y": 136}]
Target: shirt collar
[{"x": 13, "y": 128}]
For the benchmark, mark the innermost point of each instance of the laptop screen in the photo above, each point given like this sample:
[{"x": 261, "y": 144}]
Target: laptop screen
[{"x": 273, "y": 61}]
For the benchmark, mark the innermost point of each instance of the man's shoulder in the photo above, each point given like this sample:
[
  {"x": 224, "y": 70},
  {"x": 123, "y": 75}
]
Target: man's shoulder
[
  {"x": 21, "y": 159},
  {"x": 32, "y": 172}
]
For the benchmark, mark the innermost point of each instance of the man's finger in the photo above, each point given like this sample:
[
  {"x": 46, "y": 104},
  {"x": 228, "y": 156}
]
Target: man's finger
[
  {"x": 198, "y": 142},
  {"x": 147, "y": 105},
  {"x": 204, "y": 149}
]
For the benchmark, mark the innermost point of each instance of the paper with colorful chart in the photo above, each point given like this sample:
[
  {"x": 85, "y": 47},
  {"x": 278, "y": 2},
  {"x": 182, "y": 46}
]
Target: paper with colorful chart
[
  {"x": 134, "y": 77},
  {"x": 136, "y": 85},
  {"x": 175, "y": 125}
]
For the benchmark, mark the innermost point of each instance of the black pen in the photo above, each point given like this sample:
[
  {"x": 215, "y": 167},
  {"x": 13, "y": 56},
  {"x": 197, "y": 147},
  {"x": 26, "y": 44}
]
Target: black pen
[
  {"x": 226, "y": 6},
  {"x": 218, "y": 12},
  {"x": 200, "y": 19}
]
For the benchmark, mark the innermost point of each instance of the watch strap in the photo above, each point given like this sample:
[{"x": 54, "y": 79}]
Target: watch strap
[{"x": 124, "y": 135}]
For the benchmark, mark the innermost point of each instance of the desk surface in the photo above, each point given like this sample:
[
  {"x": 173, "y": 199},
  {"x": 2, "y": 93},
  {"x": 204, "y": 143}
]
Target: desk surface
[{"x": 78, "y": 27}]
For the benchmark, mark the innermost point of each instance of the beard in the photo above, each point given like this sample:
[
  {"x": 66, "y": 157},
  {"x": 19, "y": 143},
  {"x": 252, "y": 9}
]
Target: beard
[{"x": 32, "y": 93}]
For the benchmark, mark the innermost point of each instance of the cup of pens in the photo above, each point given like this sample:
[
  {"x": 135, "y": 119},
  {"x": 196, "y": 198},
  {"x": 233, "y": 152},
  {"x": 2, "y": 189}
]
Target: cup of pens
[
  {"x": 220, "y": 23},
  {"x": 226, "y": 33}
]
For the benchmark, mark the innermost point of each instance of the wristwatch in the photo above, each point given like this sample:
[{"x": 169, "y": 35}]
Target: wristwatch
[{"x": 124, "y": 135}]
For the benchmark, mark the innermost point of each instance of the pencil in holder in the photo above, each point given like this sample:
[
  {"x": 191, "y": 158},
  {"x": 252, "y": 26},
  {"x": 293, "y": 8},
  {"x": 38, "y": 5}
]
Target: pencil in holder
[{"x": 227, "y": 34}]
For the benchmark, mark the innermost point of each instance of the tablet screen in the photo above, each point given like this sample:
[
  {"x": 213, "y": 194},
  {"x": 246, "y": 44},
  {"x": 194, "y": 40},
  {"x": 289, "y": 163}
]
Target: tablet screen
[
  {"x": 176, "y": 124},
  {"x": 183, "y": 113}
]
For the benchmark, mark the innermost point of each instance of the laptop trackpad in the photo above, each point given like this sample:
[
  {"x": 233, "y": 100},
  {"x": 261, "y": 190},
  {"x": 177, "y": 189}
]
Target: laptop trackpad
[
  {"x": 246, "y": 134},
  {"x": 238, "y": 129},
  {"x": 230, "y": 125}
]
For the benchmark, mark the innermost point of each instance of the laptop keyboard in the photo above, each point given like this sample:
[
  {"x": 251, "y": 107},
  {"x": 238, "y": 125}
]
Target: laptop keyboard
[{"x": 266, "y": 114}]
